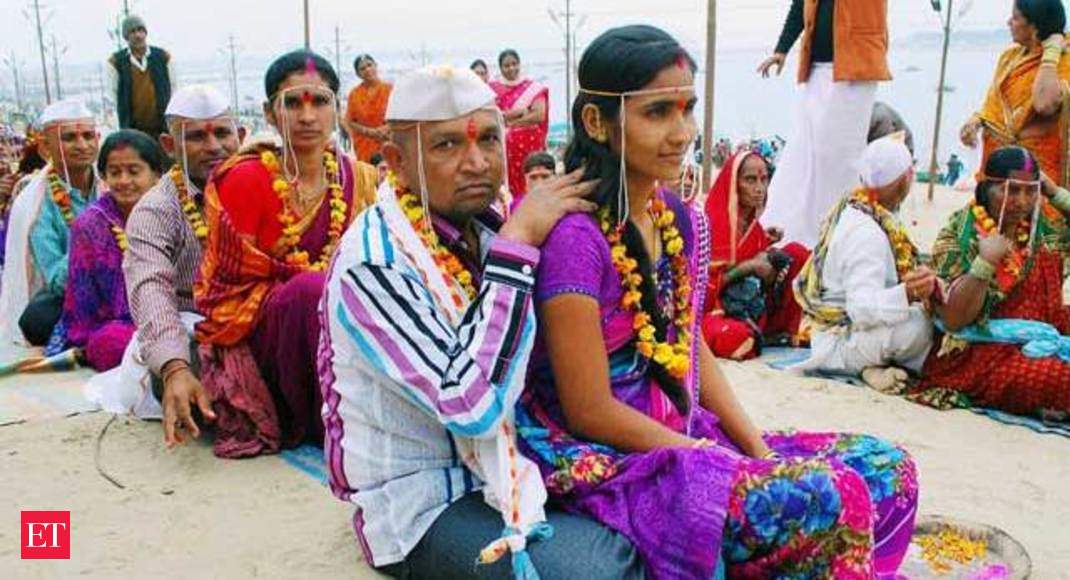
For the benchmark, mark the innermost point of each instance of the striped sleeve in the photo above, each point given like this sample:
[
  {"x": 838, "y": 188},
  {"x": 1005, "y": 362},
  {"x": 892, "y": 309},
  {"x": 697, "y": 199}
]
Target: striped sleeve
[{"x": 460, "y": 376}]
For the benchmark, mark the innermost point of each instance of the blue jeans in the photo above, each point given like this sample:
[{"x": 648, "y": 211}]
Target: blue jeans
[{"x": 579, "y": 548}]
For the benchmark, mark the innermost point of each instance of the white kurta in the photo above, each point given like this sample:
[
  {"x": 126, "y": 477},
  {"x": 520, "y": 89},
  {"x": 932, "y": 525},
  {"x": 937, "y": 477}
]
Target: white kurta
[
  {"x": 860, "y": 276},
  {"x": 820, "y": 160},
  {"x": 20, "y": 279}
]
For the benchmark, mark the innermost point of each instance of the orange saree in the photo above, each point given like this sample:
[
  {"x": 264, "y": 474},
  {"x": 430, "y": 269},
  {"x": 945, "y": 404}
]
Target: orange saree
[
  {"x": 367, "y": 107},
  {"x": 1009, "y": 118}
]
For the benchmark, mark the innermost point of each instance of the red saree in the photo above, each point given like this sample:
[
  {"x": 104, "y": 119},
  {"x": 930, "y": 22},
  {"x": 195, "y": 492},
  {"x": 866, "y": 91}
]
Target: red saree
[
  {"x": 731, "y": 244},
  {"x": 258, "y": 339}
]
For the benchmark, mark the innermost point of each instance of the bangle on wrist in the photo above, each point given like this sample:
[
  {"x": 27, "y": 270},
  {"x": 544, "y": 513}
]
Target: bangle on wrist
[
  {"x": 982, "y": 269},
  {"x": 176, "y": 366},
  {"x": 1061, "y": 200}
]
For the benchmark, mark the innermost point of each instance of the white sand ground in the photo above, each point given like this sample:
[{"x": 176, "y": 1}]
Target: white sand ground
[{"x": 187, "y": 514}]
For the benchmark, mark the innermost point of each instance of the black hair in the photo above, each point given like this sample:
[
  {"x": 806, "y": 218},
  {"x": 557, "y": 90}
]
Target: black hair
[
  {"x": 146, "y": 147},
  {"x": 360, "y": 60},
  {"x": 505, "y": 53},
  {"x": 540, "y": 159},
  {"x": 1048, "y": 16},
  {"x": 376, "y": 158},
  {"x": 297, "y": 61},
  {"x": 30, "y": 159},
  {"x": 1001, "y": 163},
  {"x": 622, "y": 60},
  {"x": 477, "y": 62}
]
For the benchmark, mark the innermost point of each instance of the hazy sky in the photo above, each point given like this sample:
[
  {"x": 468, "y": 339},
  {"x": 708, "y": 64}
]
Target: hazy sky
[{"x": 448, "y": 29}]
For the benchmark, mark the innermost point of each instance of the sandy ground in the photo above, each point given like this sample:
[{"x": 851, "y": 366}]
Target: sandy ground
[{"x": 187, "y": 514}]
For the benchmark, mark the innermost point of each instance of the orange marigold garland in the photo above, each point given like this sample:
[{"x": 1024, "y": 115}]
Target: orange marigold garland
[
  {"x": 1009, "y": 271},
  {"x": 61, "y": 196},
  {"x": 448, "y": 264},
  {"x": 188, "y": 205},
  {"x": 291, "y": 235},
  {"x": 906, "y": 253},
  {"x": 675, "y": 357}
]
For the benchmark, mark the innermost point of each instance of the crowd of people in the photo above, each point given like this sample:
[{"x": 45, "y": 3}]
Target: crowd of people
[{"x": 503, "y": 352}]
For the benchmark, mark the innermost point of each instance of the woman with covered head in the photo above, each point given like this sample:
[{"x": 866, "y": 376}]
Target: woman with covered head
[
  {"x": 1007, "y": 332},
  {"x": 525, "y": 103},
  {"x": 1026, "y": 102},
  {"x": 96, "y": 313},
  {"x": 275, "y": 217},
  {"x": 749, "y": 298},
  {"x": 626, "y": 411}
]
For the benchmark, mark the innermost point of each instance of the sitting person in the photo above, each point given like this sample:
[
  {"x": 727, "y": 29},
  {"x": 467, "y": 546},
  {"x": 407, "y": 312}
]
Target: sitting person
[
  {"x": 96, "y": 314},
  {"x": 166, "y": 231},
  {"x": 865, "y": 297},
  {"x": 1004, "y": 260},
  {"x": 626, "y": 411},
  {"x": 539, "y": 166},
  {"x": 428, "y": 325},
  {"x": 274, "y": 220},
  {"x": 749, "y": 298},
  {"x": 35, "y": 269}
]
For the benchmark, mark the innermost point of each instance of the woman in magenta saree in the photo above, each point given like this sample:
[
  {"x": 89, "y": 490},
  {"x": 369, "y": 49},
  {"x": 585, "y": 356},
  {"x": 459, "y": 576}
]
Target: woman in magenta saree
[
  {"x": 626, "y": 412},
  {"x": 525, "y": 104}
]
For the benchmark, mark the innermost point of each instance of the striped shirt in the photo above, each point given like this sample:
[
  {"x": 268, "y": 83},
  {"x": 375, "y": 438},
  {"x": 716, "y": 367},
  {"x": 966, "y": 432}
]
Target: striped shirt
[
  {"x": 401, "y": 385},
  {"x": 159, "y": 267}
]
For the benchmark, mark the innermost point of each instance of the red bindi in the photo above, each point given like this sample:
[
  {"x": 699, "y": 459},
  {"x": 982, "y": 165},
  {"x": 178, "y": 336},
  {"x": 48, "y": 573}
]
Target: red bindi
[
  {"x": 209, "y": 128},
  {"x": 471, "y": 129},
  {"x": 681, "y": 104},
  {"x": 306, "y": 97}
]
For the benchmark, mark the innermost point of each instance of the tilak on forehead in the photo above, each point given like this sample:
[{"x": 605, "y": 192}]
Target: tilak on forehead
[{"x": 471, "y": 130}]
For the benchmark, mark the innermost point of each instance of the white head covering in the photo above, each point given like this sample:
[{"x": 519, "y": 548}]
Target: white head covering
[
  {"x": 884, "y": 161},
  {"x": 65, "y": 111},
  {"x": 438, "y": 93},
  {"x": 441, "y": 93},
  {"x": 197, "y": 102}
]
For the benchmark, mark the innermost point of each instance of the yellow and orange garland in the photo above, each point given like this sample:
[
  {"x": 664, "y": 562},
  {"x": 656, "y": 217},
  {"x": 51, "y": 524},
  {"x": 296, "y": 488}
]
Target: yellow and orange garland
[
  {"x": 61, "y": 196},
  {"x": 120, "y": 238},
  {"x": 906, "y": 253},
  {"x": 291, "y": 234},
  {"x": 448, "y": 264},
  {"x": 188, "y": 204},
  {"x": 675, "y": 357},
  {"x": 1009, "y": 271}
]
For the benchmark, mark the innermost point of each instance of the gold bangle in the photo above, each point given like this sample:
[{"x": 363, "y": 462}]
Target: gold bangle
[
  {"x": 179, "y": 367},
  {"x": 982, "y": 269},
  {"x": 702, "y": 443}
]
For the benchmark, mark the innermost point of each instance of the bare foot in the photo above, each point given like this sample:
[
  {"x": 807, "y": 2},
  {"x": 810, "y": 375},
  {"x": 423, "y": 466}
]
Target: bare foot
[{"x": 887, "y": 380}]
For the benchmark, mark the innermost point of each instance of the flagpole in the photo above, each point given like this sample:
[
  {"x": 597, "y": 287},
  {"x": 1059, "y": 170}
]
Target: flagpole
[
  {"x": 933, "y": 170},
  {"x": 711, "y": 67}
]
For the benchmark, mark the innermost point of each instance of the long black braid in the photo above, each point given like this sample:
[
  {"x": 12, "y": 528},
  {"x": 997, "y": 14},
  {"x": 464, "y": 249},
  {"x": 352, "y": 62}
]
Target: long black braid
[{"x": 623, "y": 60}]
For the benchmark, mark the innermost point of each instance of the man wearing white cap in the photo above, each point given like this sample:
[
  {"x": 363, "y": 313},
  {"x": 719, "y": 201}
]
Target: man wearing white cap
[
  {"x": 35, "y": 274},
  {"x": 864, "y": 294},
  {"x": 428, "y": 327},
  {"x": 165, "y": 232}
]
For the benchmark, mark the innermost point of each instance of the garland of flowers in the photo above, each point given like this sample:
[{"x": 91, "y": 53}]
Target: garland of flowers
[
  {"x": 188, "y": 205},
  {"x": 1011, "y": 269},
  {"x": 906, "y": 254},
  {"x": 448, "y": 264},
  {"x": 674, "y": 357},
  {"x": 61, "y": 196},
  {"x": 120, "y": 238},
  {"x": 291, "y": 235}
]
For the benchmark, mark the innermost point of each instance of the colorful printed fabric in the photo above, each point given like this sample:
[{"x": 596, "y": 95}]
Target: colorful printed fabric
[
  {"x": 685, "y": 507},
  {"x": 96, "y": 316},
  {"x": 1002, "y": 376},
  {"x": 522, "y": 141}
]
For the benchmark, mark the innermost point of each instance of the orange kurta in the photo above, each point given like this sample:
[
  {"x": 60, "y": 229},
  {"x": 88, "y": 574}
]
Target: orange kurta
[{"x": 367, "y": 107}]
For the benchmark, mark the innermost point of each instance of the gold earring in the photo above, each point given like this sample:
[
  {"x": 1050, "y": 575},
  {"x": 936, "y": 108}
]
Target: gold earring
[{"x": 600, "y": 137}]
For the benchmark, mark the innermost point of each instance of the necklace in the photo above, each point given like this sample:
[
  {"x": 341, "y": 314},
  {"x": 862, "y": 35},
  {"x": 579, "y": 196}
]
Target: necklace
[
  {"x": 1009, "y": 272},
  {"x": 675, "y": 357},
  {"x": 449, "y": 265},
  {"x": 188, "y": 205},
  {"x": 291, "y": 234}
]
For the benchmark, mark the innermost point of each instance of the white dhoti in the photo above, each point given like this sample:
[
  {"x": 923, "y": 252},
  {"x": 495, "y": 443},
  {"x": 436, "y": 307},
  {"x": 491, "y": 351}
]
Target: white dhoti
[
  {"x": 904, "y": 344},
  {"x": 818, "y": 163},
  {"x": 20, "y": 280}
]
